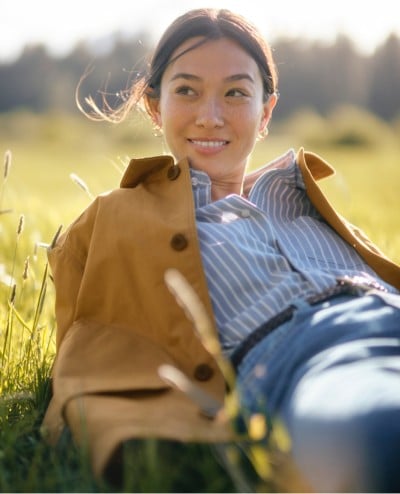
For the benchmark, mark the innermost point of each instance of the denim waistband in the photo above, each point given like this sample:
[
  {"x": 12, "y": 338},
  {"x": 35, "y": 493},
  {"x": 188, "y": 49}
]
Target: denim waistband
[{"x": 344, "y": 286}]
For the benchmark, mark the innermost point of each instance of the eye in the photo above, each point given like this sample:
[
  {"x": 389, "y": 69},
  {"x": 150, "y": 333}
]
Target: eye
[
  {"x": 236, "y": 93},
  {"x": 185, "y": 91}
]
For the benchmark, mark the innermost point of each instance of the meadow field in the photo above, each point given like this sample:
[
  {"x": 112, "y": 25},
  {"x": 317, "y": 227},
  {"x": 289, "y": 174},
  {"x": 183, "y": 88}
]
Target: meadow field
[{"x": 53, "y": 165}]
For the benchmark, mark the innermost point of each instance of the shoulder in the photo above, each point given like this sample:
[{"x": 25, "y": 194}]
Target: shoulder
[{"x": 283, "y": 162}]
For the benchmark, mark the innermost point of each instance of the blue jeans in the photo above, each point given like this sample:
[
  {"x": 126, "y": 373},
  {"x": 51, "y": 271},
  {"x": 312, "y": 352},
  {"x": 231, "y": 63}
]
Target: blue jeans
[{"x": 332, "y": 374}]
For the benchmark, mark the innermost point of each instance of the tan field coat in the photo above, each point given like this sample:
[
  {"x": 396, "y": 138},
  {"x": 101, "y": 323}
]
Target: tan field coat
[{"x": 118, "y": 322}]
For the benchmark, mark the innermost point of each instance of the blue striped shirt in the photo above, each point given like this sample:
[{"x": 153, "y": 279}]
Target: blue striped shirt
[{"x": 262, "y": 253}]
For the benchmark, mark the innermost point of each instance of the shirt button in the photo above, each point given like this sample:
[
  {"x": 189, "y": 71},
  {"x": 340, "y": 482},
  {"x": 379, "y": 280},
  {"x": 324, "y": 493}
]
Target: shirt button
[
  {"x": 203, "y": 372},
  {"x": 195, "y": 181},
  {"x": 179, "y": 241},
  {"x": 245, "y": 213},
  {"x": 173, "y": 172}
]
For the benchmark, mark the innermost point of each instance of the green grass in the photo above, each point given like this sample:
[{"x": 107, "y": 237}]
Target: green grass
[{"x": 38, "y": 196}]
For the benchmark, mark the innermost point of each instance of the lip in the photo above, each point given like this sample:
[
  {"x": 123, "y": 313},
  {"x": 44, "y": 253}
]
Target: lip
[{"x": 208, "y": 146}]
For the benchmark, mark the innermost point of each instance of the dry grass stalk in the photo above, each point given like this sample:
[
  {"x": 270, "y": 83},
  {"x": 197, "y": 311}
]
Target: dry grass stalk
[{"x": 82, "y": 184}]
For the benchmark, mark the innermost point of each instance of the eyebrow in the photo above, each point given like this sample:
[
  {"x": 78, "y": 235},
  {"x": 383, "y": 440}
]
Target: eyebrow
[{"x": 231, "y": 78}]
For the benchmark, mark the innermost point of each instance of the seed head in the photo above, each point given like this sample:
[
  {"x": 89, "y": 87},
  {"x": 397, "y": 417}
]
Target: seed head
[
  {"x": 21, "y": 224},
  {"x": 13, "y": 293},
  {"x": 25, "y": 273},
  {"x": 80, "y": 183},
  {"x": 7, "y": 164}
]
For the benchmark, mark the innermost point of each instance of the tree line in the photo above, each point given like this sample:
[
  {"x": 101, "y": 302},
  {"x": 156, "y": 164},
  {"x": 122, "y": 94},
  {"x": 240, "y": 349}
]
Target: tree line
[{"x": 312, "y": 75}]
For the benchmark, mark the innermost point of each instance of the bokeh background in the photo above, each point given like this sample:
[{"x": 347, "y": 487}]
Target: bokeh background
[
  {"x": 339, "y": 73},
  {"x": 339, "y": 70}
]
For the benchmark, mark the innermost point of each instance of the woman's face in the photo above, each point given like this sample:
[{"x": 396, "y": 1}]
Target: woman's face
[{"x": 211, "y": 107}]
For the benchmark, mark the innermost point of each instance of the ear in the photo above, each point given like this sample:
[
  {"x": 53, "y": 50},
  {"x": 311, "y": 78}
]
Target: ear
[
  {"x": 153, "y": 108},
  {"x": 269, "y": 106}
]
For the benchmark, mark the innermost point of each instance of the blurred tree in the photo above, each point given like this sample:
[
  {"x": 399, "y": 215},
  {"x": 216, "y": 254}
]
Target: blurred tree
[
  {"x": 384, "y": 79},
  {"x": 320, "y": 76},
  {"x": 311, "y": 75},
  {"x": 25, "y": 83},
  {"x": 68, "y": 71}
]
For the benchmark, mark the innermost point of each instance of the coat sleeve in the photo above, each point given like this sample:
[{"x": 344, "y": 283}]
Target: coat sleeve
[{"x": 67, "y": 263}]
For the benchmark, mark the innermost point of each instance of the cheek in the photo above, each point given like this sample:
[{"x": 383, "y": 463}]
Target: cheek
[
  {"x": 248, "y": 122},
  {"x": 172, "y": 115}
]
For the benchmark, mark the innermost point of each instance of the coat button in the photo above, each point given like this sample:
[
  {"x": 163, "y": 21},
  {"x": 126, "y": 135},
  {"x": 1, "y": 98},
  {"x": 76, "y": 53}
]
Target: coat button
[
  {"x": 203, "y": 372},
  {"x": 173, "y": 172},
  {"x": 179, "y": 241}
]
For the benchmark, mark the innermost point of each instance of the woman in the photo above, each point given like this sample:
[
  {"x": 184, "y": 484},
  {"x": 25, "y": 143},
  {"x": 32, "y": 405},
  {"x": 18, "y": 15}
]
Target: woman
[{"x": 302, "y": 303}]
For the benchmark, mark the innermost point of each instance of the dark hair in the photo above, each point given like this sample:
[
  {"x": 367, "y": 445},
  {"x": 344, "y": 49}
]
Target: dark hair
[{"x": 210, "y": 24}]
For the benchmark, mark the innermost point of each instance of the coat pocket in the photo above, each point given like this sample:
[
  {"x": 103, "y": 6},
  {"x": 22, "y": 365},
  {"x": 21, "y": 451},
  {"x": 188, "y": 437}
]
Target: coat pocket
[{"x": 105, "y": 358}]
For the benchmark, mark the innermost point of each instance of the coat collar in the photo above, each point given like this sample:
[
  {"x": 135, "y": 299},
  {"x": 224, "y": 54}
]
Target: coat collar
[{"x": 139, "y": 169}]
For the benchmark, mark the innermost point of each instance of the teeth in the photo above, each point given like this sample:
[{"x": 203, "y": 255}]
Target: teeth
[{"x": 209, "y": 144}]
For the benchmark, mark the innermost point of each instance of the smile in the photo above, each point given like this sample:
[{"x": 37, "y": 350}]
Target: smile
[{"x": 208, "y": 144}]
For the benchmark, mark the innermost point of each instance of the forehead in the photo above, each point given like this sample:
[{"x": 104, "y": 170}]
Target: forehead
[{"x": 219, "y": 57}]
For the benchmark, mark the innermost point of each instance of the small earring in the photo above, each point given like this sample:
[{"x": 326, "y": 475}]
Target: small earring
[
  {"x": 262, "y": 134},
  {"x": 157, "y": 131}
]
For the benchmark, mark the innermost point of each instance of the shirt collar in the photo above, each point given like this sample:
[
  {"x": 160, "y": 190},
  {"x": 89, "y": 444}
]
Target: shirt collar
[
  {"x": 201, "y": 185},
  {"x": 201, "y": 182}
]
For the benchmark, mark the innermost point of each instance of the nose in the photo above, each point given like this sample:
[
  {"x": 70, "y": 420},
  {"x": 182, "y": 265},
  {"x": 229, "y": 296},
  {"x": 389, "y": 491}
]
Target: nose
[{"x": 209, "y": 114}]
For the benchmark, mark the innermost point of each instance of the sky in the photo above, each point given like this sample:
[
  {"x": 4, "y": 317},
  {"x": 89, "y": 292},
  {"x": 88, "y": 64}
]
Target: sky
[{"x": 60, "y": 24}]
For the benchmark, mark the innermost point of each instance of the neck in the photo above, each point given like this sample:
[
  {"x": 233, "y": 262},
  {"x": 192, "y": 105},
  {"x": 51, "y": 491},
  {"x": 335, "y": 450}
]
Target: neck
[{"x": 219, "y": 190}]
